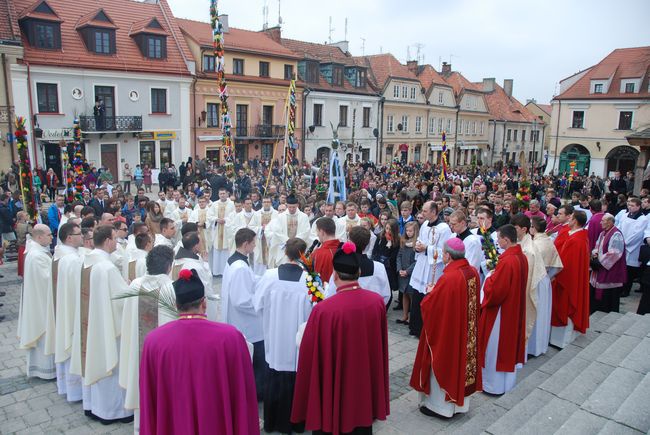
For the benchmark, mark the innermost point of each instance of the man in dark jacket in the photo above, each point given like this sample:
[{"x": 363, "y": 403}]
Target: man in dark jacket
[{"x": 243, "y": 184}]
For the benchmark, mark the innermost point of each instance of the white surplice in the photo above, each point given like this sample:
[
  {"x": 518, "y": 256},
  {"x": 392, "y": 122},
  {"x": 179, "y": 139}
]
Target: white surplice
[
  {"x": 435, "y": 400},
  {"x": 237, "y": 290},
  {"x": 68, "y": 286},
  {"x": 203, "y": 270},
  {"x": 285, "y": 306},
  {"x": 36, "y": 315},
  {"x": 220, "y": 235},
  {"x": 102, "y": 344},
  {"x": 434, "y": 239},
  {"x": 495, "y": 382},
  {"x": 241, "y": 220},
  {"x": 376, "y": 282},
  {"x": 343, "y": 226},
  {"x": 265, "y": 217}
]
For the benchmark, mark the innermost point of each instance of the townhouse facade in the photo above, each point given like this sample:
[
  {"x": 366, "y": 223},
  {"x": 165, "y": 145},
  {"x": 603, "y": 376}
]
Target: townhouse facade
[
  {"x": 596, "y": 110},
  {"x": 258, "y": 73},
  {"x": 126, "y": 58},
  {"x": 516, "y": 135},
  {"x": 11, "y": 50},
  {"x": 339, "y": 101},
  {"x": 543, "y": 113}
]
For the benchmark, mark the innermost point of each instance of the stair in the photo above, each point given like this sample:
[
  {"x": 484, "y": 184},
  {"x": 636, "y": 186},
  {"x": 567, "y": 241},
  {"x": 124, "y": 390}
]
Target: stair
[{"x": 600, "y": 384}]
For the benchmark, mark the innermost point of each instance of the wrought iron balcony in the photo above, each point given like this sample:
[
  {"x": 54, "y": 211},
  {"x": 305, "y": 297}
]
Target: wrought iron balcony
[
  {"x": 110, "y": 123},
  {"x": 260, "y": 131},
  {"x": 274, "y": 131}
]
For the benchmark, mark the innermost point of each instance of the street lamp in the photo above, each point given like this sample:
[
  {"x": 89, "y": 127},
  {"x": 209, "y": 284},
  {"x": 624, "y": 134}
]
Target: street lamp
[{"x": 532, "y": 172}]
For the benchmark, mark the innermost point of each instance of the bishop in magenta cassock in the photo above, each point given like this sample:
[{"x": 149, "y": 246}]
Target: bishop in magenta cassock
[
  {"x": 196, "y": 376},
  {"x": 446, "y": 369},
  {"x": 502, "y": 328},
  {"x": 571, "y": 285},
  {"x": 349, "y": 392}
]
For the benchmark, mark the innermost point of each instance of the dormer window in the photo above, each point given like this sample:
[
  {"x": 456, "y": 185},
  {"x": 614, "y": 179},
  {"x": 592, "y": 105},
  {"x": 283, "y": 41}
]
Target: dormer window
[
  {"x": 598, "y": 88},
  {"x": 42, "y": 27},
  {"x": 312, "y": 72},
  {"x": 208, "y": 63},
  {"x": 629, "y": 88},
  {"x": 337, "y": 75},
  {"x": 151, "y": 39},
  {"x": 98, "y": 32}
]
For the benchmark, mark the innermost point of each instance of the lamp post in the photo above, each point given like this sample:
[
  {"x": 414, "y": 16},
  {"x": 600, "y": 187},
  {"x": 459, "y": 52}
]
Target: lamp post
[{"x": 532, "y": 172}]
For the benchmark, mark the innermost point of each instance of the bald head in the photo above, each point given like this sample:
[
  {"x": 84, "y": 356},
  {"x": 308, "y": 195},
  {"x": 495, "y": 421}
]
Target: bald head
[
  {"x": 42, "y": 235},
  {"x": 107, "y": 219}
]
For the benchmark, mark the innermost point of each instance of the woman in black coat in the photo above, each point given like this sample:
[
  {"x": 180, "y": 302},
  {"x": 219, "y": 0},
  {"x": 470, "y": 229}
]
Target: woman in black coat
[{"x": 386, "y": 250}]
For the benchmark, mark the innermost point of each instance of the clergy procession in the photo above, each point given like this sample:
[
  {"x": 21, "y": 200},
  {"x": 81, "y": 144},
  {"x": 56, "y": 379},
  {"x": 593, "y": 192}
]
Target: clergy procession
[{"x": 243, "y": 312}]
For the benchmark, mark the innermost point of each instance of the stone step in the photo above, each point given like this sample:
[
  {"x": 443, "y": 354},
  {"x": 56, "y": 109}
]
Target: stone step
[
  {"x": 634, "y": 411},
  {"x": 560, "y": 359},
  {"x": 476, "y": 424},
  {"x": 585, "y": 382},
  {"x": 606, "y": 321},
  {"x": 597, "y": 347},
  {"x": 641, "y": 327},
  {"x": 619, "y": 350},
  {"x": 564, "y": 375},
  {"x": 523, "y": 388},
  {"x": 614, "y": 390},
  {"x": 521, "y": 413},
  {"x": 596, "y": 317},
  {"x": 639, "y": 359},
  {"x": 549, "y": 418},
  {"x": 623, "y": 324},
  {"x": 613, "y": 428},
  {"x": 582, "y": 422}
]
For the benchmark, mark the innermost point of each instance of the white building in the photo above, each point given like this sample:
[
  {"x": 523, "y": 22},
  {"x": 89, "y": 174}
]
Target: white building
[{"x": 138, "y": 65}]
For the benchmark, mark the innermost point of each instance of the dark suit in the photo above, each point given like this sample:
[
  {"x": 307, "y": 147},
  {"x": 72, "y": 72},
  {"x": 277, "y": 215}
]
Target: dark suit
[{"x": 98, "y": 207}]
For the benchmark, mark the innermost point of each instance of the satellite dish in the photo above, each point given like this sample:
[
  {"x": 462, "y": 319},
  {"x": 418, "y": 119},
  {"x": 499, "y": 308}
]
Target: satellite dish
[
  {"x": 375, "y": 132},
  {"x": 312, "y": 128},
  {"x": 400, "y": 127}
]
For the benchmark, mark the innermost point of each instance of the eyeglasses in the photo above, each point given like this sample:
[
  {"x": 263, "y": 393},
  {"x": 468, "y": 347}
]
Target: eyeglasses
[{"x": 75, "y": 234}]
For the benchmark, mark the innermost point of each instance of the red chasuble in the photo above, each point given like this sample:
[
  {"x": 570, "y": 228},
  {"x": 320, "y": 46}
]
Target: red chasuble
[
  {"x": 571, "y": 285},
  {"x": 449, "y": 339},
  {"x": 342, "y": 379},
  {"x": 196, "y": 377},
  {"x": 505, "y": 289},
  {"x": 562, "y": 236},
  {"x": 323, "y": 258}
]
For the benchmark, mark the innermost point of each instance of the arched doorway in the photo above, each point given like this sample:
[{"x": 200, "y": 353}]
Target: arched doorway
[
  {"x": 622, "y": 158},
  {"x": 577, "y": 153},
  {"x": 322, "y": 153}
]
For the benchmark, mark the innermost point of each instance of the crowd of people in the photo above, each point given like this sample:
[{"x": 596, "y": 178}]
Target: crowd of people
[{"x": 486, "y": 268}]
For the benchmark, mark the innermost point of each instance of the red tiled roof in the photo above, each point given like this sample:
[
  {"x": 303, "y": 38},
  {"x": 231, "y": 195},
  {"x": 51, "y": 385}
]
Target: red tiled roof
[
  {"x": 9, "y": 30},
  {"x": 29, "y": 12},
  {"x": 386, "y": 66},
  {"x": 124, "y": 14},
  {"x": 235, "y": 39},
  {"x": 89, "y": 20},
  {"x": 429, "y": 76},
  {"x": 505, "y": 108},
  {"x": 546, "y": 108},
  {"x": 143, "y": 26},
  {"x": 322, "y": 52},
  {"x": 622, "y": 63},
  {"x": 459, "y": 83}
]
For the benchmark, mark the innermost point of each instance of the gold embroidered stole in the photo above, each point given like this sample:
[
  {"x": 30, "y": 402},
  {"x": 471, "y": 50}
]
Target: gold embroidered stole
[
  {"x": 266, "y": 218},
  {"x": 472, "y": 328},
  {"x": 55, "y": 275},
  {"x": 85, "y": 301},
  {"x": 292, "y": 225},
  {"x": 132, "y": 269},
  {"x": 202, "y": 228},
  {"x": 147, "y": 316},
  {"x": 221, "y": 212}
]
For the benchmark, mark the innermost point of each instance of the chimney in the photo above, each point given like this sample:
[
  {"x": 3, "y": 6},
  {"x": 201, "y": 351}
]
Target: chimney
[
  {"x": 275, "y": 33},
  {"x": 446, "y": 69},
  {"x": 488, "y": 84},
  {"x": 223, "y": 19},
  {"x": 412, "y": 65},
  {"x": 507, "y": 87},
  {"x": 343, "y": 45}
]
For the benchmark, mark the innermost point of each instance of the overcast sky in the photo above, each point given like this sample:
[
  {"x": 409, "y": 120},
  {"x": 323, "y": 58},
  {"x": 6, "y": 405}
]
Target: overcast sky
[{"x": 535, "y": 43}]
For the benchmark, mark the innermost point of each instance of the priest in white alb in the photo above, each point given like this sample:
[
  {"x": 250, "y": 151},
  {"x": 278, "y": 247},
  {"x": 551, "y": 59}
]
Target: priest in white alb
[
  {"x": 204, "y": 222},
  {"x": 328, "y": 211},
  {"x": 473, "y": 247},
  {"x": 102, "y": 314},
  {"x": 137, "y": 257},
  {"x": 36, "y": 315},
  {"x": 281, "y": 297},
  {"x": 347, "y": 222},
  {"x": 261, "y": 255},
  {"x": 293, "y": 223},
  {"x": 141, "y": 315},
  {"x": 68, "y": 274},
  {"x": 167, "y": 233},
  {"x": 247, "y": 218},
  {"x": 218, "y": 214},
  {"x": 237, "y": 290}
]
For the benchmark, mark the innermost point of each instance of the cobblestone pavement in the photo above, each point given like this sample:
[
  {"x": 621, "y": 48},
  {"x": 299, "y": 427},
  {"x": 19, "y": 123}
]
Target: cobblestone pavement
[{"x": 32, "y": 406}]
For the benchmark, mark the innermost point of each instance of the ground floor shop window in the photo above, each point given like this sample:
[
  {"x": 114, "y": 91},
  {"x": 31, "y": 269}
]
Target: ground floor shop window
[{"x": 148, "y": 153}]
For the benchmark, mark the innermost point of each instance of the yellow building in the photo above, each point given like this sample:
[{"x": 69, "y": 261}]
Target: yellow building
[
  {"x": 596, "y": 110},
  {"x": 258, "y": 74}
]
